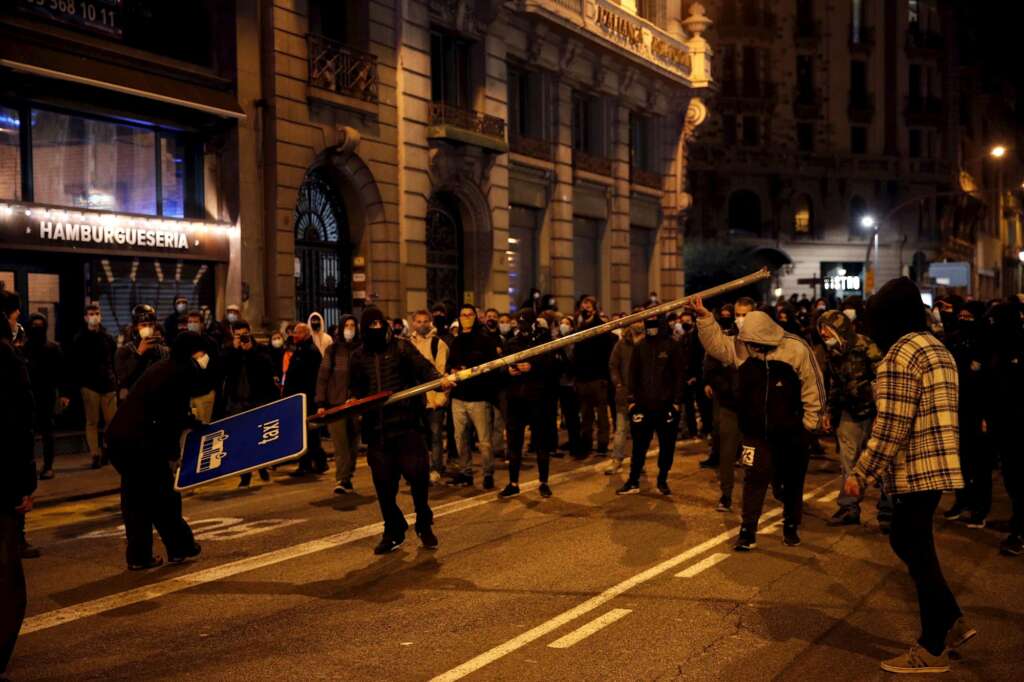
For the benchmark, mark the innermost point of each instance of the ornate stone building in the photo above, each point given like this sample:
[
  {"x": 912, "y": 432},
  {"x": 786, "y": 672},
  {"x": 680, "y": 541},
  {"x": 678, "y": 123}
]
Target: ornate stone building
[{"x": 412, "y": 152}]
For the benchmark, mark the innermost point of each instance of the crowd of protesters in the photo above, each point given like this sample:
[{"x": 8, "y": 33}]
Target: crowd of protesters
[{"x": 919, "y": 400}]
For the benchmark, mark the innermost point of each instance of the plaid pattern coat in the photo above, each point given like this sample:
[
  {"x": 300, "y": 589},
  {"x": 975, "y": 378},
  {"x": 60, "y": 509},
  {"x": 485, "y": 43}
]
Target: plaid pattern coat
[{"x": 914, "y": 444}]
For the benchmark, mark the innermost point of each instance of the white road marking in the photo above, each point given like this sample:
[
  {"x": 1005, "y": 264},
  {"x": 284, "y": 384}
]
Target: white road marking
[
  {"x": 68, "y": 614},
  {"x": 831, "y": 497},
  {"x": 703, "y": 565},
  {"x": 599, "y": 600},
  {"x": 590, "y": 628}
]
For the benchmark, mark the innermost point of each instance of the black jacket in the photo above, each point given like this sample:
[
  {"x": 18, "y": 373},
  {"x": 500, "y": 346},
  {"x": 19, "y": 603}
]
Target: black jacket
[
  {"x": 92, "y": 360},
  {"x": 590, "y": 357},
  {"x": 18, "y": 473},
  {"x": 657, "y": 374},
  {"x": 45, "y": 370},
  {"x": 303, "y": 369},
  {"x": 248, "y": 380},
  {"x": 770, "y": 402},
  {"x": 129, "y": 365},
  {"x": 397, "y": 367},
  {"x": 530, "y": 385},
  {"x": 470, "y": 349},
  {"x": 722, "y": 378}
]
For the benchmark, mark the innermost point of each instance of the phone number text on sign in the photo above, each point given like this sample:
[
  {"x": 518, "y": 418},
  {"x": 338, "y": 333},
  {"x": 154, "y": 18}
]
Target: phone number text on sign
[{"x": 96, "y": 15}]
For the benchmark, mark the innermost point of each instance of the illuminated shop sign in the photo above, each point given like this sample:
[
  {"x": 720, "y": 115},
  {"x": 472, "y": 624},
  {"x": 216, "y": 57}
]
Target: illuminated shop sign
[
  {"x": 46, "y": 228},
  {"x": 843, "y": 279}
]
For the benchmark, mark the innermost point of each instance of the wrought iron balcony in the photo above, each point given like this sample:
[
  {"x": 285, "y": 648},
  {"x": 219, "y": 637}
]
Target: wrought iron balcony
[
  {"x": 639, "y": 176},
  {"x": 924, "y": 110},
  {"x": 591, "y": 164},
  {"x": 466, "y": 126},
  {"x": 862, "y": 38},
  {"x": 807, "y": 104},
  {"x": 861, "y": 108},
  {"x": 338, "y": 68},
  {"x": 531, "y": 146}
]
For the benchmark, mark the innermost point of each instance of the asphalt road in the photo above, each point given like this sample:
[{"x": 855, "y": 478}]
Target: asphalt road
[{"x": 583, "y": 586}]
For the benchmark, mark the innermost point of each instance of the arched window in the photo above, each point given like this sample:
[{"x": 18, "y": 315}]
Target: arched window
[
  {"x": 858, "y": 209},
  {"x": 745, "y": 212},
  {"x": 323, "y": 251},
  {"x": 803, "y": 216}
]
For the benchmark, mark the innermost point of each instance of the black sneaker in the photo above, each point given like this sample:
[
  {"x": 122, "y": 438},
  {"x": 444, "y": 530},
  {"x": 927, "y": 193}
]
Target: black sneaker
[
  {"x": 954, "y": 512},
  {"x": 388, "y": 545},
  {"x": 244, "y": 480},
  {"x": 46, "y": 474},
  {"x": 709, "y": 463},
  {"x": 845, "y": 516},
  {"x": 152, "y": 563},
  {"x": 663, "y": 487},
  {"x": 790, "y": 537},
  {"x": 488, "y": 482},
  {"x": 96, "y": 465},
  {"x": 724, "y": 505},
  {"x": 746, "y": 541},
  {"x": 191, "y": 553},
  {"x": 344, "y": 488},
  {"x": 300, "y": 472},
  {"x": 511, "y": 490},
  {"x": 630, "y": 487},
  {"x": 1012, "y": 546},
  {"x": 544, "y": 490},
  {"x": 973, "y": 520},
  {"x": 427, "y": 537},
  {"x": 461, "y": 481}
]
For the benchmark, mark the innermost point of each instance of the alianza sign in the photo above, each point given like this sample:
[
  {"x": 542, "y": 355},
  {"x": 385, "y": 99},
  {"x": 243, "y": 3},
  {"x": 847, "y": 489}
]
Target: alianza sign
[
  {"x": 636, "y": 36},
  {"x": 57, "y": 229}
]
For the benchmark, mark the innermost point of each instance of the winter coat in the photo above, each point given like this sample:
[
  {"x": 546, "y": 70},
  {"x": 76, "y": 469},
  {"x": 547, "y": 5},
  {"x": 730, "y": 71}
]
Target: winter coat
[
  {"x": 592, "y": 356},
  {"x": 248, "y": 380},
  {"x": 303, "y": 370},
  {"x": 18, "y": 473},
  {"x": 470, "y": 349},
  {"x": 435, "y": 351},
  {"x": 618, "y": 369},
  {"x": 657, "y": 374},
  {"x": 92, "y": 360},
  {"x": 332, "y": 380},
  {"x": 46, "y": 371},
  {"x": 722, "y": 378},
  {"x": 529, "y": 385},
  {"x": 130, "y": 366},
  {"x": 852, "y": 364}
]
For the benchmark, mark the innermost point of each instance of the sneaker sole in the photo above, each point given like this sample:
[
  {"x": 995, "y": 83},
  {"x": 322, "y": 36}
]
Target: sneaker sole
[
  {"x": 392, "y": 550},
  {"x": 723, "y": 510},
  {"x": 975, "y": 525},
  {"x": 502, "y": 496},
  {"x": 745, "y": 548},
  {"x": 915, "y": 671},
  {"x": 964, "y": 639},
  {"x": 631, "y": 491}
]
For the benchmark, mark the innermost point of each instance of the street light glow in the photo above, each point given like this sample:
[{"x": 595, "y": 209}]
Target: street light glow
[
  {"x": 998, "y": 152},
  {"x": 867, "y": 221},
  {"x": 1020, "y": 256}
]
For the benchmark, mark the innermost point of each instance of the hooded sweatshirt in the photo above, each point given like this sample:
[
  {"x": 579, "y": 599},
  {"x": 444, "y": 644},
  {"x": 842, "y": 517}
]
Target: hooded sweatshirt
[
  {"x": 853, "y": 361},
  {"x": 321, "y": 339},
  {"x": 764, "y": 352},
  {"x": 435, "y": 351},
  {"x": 333, "y": 375},
  {"x": 618, "y": 368}
]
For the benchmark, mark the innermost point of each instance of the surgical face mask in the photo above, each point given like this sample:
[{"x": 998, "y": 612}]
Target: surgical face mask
[
  {"x": 277, "y": 343},
  {"x": 196, "y": 327},
  {"x": 504, "y": 327},
  {"x": 181, "y": 307},
  {"x": 677, "y": 328},
  {"x": 850, "y": 313},
  {"x": 831, "y": 341},
  {"x": 739, "y": 321},
  {"x": 821, "y": 306},
  {"x": 145, "y": 332},
  {"x": 203, "y": 360},
  {"x": 424, "y": 329},
  {"x": 232, "y": 316},
  {"x": 564, "y": 329},
  {"x": 93, "y": 321},
  {"x": 348, "y": 334},
  {"x": 536, "y": 295}
]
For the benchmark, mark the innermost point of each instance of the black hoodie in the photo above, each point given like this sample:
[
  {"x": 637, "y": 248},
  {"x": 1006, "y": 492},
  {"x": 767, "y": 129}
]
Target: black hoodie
[
  {"x": 895, "y": 311},
  {"x": 657, "y": 373},
  {"x": 470, "y": 349}
]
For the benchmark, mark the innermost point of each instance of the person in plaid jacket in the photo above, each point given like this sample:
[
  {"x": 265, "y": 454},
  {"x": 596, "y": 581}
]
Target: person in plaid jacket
[{"x": 913, "y": 452}]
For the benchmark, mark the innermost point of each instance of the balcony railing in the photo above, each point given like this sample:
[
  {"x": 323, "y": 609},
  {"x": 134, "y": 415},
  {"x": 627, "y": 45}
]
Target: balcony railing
[
  {"x": 531, "y": 146},
  {"x": 442, "y": 114},
  {"x": 924, "y": 110},
  {"x": 338, "y": 68},
  {"x": 924, "y": 43},
  {"x": 861, "y": 108},
  {"x": 807, "y": 33},
  {"x": 862, "y": 38},
  {"x": 639, "y": 176},
  {"x": 807, "y": 104},
  {"x": 591, "y": 164}
]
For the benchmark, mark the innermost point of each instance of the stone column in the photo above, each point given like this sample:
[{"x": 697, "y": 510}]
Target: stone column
[
  {"x": 561, "y": 205},
  {"x": 495, "y": 183},
  {"x": 616, "y": 241}
]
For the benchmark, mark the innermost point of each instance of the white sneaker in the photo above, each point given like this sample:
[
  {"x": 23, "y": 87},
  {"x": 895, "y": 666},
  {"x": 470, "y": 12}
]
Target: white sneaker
[
  {"x": 613, "y": 467},
  {"x": 435, "y": 477}
]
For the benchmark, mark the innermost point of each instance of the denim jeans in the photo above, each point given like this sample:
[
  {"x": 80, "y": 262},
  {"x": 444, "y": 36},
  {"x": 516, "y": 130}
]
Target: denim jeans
[
  {"x": 621, "y": 432},
  {"x": 346, "y": 441},
  {"x": 478, "y": 413},
  {"x": 853, "y": 436},
  {"x": 435, "y": 420}
]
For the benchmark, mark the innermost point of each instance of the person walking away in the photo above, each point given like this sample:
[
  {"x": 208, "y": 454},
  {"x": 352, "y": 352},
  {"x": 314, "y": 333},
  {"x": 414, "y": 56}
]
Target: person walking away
[
  {"x": 140, "y": 352},
  {"x": 722, "y": 387},
  {"x": 657, "y": 385},
  {"x": 176, "y": 319},
  {"x": 248, "y": 382},
  {"x": 780, "y": 400},
  {"x": 426, "y": 339},
  {"x": 913, "y": 453},
  {"x": 471, "y": 401},
  {"x": 395, "y": 445},
  {"x": 618, "y": 370},
  {"x": 92, "y": 361},
  {"x": 301, "y": 377},
  {"x": 332, "y": 390},
  {"x": 591, "y": 373},
  {"x": 144, "y": 439},
  {"x": 45, "y": 370},
  {"x": 526, "y": 405},
  {"x": 18, "y": 482},
  {"x": 852, "y": 360},
  {"x": 1003, "y": 377}
]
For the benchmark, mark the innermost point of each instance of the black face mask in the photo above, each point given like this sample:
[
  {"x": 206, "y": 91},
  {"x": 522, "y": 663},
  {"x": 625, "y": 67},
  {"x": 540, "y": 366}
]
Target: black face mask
[
  {"x": 315, "y": 326},
  {"x": 687, "y": 327},
  {"x": 37, "y": 334},
  {"x": 375, "y": 339},
  {"x": 726, "y": 323},
  {"x": 439, "y": 321},
  {"x": 492, "y": 324}
]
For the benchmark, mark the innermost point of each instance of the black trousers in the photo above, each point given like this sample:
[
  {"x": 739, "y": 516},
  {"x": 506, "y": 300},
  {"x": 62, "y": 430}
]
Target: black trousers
[
  {"x": 404, "y": 454},
  {"x": 12, "y": 586},
  {"x": 1007, "y": 444},
  {"x": 783, "y": 466},
  {"x": 148, "y": 501},
  {"x": 912, "y": 540},
  {"x": 570, "y": 405},
  {"x": 45, "y": 428},
  {"x": 540, "y": 417},
  {"x": 976, "y": 466},
  {"x": 643, "y": 426}
]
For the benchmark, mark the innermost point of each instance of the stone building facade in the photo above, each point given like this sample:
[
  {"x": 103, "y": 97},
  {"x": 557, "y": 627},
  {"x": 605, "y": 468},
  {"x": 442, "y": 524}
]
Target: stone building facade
[{"x": 405, "y": 153}]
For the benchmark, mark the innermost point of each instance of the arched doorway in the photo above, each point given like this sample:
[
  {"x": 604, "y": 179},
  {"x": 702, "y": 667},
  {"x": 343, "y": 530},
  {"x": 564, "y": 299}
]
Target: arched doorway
[
  {"x": 445, "y": 263},
  {"x": 323, "y": 252}
]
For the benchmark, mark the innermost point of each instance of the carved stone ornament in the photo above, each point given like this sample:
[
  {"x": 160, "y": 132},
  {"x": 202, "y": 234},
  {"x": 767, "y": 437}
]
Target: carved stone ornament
[
  {"x": 348, "y": 140},
  {"x": 696, "y": 114}
]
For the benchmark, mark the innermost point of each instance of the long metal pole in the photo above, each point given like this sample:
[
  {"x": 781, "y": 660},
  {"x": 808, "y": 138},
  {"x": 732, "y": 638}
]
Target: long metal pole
[{"x": 514, "y": 358}]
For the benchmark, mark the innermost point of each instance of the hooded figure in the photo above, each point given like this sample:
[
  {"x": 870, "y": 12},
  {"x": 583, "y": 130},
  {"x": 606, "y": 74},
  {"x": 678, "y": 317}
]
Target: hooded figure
[
  {"x": 332, "y": 389},
  {"x": 321, "y": 339},
  {"x": 780, "y": 400},
  {"x": 143, "y": 438},
  {"x": 898, "y": 312}
]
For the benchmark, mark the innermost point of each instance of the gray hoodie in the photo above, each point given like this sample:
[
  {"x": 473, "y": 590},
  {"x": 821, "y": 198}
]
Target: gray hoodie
[{"x": 760, "y": 329}]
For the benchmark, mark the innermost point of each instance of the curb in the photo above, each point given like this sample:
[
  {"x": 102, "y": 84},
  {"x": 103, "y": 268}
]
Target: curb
[{"x": 76, "y": 497}]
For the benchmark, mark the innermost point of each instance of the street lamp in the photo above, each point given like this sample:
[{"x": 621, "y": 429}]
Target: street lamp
[
  {"x": 868, "y": 222},
  {"x": 1020, "y": 256},
  {"x": 997, "y": 152}
]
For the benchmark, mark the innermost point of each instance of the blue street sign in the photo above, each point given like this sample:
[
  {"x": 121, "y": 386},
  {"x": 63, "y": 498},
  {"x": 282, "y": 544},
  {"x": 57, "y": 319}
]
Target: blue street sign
[{"x": 262, "y": 437}]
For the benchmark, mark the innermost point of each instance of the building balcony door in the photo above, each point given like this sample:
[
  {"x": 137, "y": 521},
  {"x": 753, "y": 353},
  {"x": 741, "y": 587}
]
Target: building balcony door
[
  {"x": 323, "y": 252},
  {"x": 445, "y": 262}
]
